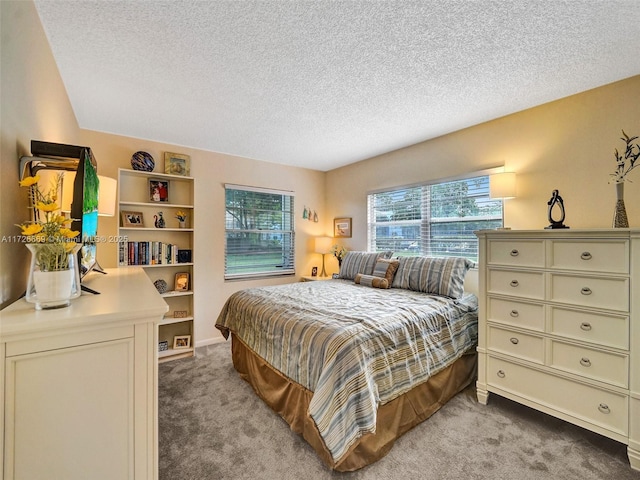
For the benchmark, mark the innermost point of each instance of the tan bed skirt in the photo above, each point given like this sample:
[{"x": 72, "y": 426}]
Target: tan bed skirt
[{"x": 291, "y": 401}]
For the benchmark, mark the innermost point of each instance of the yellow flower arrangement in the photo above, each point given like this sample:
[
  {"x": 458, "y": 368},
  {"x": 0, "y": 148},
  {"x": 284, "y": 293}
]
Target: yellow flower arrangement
[
  {"x": 50, "y": 230},
  {"x": 181, "y": 216}
]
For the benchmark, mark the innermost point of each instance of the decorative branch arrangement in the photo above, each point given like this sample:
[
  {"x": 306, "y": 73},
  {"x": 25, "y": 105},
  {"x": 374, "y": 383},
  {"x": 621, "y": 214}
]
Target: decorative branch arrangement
[{"x": 626, "y": 162}]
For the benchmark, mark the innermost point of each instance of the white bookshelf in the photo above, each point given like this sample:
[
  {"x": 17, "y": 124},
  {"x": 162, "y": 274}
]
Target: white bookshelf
[{"x": 134, "y": 196}]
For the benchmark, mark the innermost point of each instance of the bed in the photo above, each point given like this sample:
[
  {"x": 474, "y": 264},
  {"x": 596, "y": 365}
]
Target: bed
[{"x": 353, "y": 363}]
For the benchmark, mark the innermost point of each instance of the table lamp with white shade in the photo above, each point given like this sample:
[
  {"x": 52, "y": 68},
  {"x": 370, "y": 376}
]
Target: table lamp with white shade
[
  {"x": 502, "y": 186},
  {"x": 323, "y": 246}
]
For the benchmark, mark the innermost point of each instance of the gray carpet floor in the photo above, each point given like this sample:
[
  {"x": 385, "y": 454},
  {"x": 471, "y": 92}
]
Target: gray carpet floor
[{"x": 213, "y": 427}]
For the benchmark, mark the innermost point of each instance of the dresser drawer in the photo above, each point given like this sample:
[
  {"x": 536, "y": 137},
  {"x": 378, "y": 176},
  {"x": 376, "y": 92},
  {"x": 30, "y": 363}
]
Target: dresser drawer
[
  {"x": 517, "y": 344},
  {"x": 511, "y": 312},
  {"x": 517, "y": 283},
  {"x": 608, "y": 330},
  {"x": 600, "y": 256},
  {"x": 611, "y": 293},
  {"x": 523, "y": 253},
  {"x": 601, "y": 407},
  {"x": 595, "y": 364}
]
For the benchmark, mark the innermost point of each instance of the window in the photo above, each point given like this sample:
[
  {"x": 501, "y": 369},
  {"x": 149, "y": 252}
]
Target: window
[
  {"x": 435, "y": 220},
  {"x": 259, "y": 232}
]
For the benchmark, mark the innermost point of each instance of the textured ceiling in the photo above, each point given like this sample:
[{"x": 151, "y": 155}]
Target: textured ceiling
[{"x": 321, "y": 84}]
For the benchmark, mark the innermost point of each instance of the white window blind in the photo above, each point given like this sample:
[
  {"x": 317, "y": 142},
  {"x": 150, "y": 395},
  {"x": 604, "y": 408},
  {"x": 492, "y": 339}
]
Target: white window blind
[
  {"x": 259, "y": 232},
  {"x": 435, "y": 220}
]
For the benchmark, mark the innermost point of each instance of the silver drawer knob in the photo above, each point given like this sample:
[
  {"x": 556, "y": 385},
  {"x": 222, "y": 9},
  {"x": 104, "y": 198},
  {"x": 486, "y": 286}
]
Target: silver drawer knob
[
  {"x": 586, "y": 291},
  {"x": 586, "y": 326},
  {"x": 514, "y": 340},
  {"x": 514, "y": 283},
  {"x": 604, "y": 408},
  {"x": 514, "y": 313},
  {"x": 585, "y": 362},
  {"x": 501, "y": 374},
  {"x": 514, "y": 253},
  {"x": 585, "y": 256}
]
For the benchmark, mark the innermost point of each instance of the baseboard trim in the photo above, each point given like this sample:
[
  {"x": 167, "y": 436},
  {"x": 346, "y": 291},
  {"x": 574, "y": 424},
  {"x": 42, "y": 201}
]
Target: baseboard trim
[{"x": 210, "y": 341}]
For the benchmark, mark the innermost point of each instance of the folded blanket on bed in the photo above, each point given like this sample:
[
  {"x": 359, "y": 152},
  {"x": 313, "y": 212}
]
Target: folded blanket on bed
[{"x": 355, "y": 347}]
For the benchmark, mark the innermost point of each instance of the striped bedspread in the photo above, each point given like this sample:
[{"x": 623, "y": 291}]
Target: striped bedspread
[{"x": 353, "y": 346}]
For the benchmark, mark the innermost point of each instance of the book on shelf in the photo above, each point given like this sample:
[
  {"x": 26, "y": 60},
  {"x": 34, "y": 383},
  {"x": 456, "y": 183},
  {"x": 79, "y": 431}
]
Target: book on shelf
[{"x": 147, "y": 253}]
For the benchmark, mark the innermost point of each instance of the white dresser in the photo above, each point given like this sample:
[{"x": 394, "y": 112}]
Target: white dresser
[
  {"x": 559, "y": 326},
  {"x": 79, "y": 384}
]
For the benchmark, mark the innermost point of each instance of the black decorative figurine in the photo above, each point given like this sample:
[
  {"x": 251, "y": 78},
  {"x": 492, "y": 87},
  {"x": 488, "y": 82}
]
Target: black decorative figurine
[
  {"x": 556, "y": 200},
  {"x": 159, "y": 222}
]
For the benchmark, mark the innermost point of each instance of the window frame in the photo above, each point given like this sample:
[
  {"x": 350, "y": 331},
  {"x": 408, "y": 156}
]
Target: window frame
[
  {"x": 287, "y": 233},
  {"x": 425, "y": 241}
]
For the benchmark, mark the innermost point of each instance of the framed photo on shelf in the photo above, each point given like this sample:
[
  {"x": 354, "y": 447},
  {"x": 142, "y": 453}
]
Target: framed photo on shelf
[
  {"x": 184, "y": 256},
  {"x": 132, "y": 219},
  {"x": 181, "y": 341},
  {"x": 158, "y": 190},
  {"x": 177, "y": 164},
  {"x": 342, "y": 227},
  {"x": 182, "y": 282}
]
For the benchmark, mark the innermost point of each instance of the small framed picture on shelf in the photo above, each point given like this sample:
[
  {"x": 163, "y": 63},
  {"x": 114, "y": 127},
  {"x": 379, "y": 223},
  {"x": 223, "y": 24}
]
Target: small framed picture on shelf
[
  {"x": 342, "y": 227},
  {"x": 177, "y": 164},
  {"x": 182, "y": 282},
  {"x": 180, "y": 314},
  {"x": 158, "y": 190},
  {"x": 132, "y": 219},
  {"x": 314, "y": 271},
  {"x": 181, "y": 341},
  {"x": 184, "y": 256}
]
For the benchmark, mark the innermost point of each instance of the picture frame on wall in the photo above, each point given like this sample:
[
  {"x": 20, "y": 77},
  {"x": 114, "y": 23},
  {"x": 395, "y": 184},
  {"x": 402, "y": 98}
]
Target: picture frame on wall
[
  {"x": 342, "y": 227},
  {"x": 177, "y": 164},
  {"x": 158, "y": 190},
  {"x": 132, "y": 219}
]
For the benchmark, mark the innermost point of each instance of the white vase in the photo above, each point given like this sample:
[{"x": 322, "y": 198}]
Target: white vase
[
  {"x": 182, "y": 224},
  {"x": 52, "y": 288}
]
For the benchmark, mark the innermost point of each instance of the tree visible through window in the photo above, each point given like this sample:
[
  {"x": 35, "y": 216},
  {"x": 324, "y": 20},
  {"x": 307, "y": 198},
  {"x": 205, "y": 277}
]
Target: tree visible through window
[
  {"x": 435, "y": 220},
  {"x": 259, "y": 232}
]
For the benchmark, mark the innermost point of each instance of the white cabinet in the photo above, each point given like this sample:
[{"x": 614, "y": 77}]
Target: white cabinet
[
  {"x": 156, "y": 249},
  {"x": 559, "y": 326},
  {"x": 80, "y": 388}
]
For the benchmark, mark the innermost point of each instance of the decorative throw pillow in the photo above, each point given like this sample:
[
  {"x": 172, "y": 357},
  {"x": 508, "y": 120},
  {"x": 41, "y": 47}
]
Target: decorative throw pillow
[
  {"x": 371, "y": 281},
  {"x": 360, "y": 262},
  {"x": 386, "y": 269},
  {"x": 442, "y": 276}
]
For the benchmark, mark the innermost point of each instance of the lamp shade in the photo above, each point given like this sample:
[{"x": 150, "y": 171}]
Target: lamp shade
[
  {"x": 67, "y": 191},
  {"x": 107, "y": 196},
  {"x": 323, "y": 244},
  {"x": 502, "y": 185}
]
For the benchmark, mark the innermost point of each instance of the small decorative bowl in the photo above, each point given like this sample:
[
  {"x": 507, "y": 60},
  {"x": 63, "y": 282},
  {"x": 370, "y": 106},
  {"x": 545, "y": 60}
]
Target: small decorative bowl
[
  {"x": 160, "y": 285},
  {"x": 142, "y": 161}
]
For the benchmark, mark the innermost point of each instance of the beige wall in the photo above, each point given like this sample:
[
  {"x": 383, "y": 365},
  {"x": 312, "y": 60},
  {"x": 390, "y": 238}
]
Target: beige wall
[
  {"x": 33, "y": 105},
  {"x": 566, "y": 145},
  {"x": 211, "y": 171}
]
